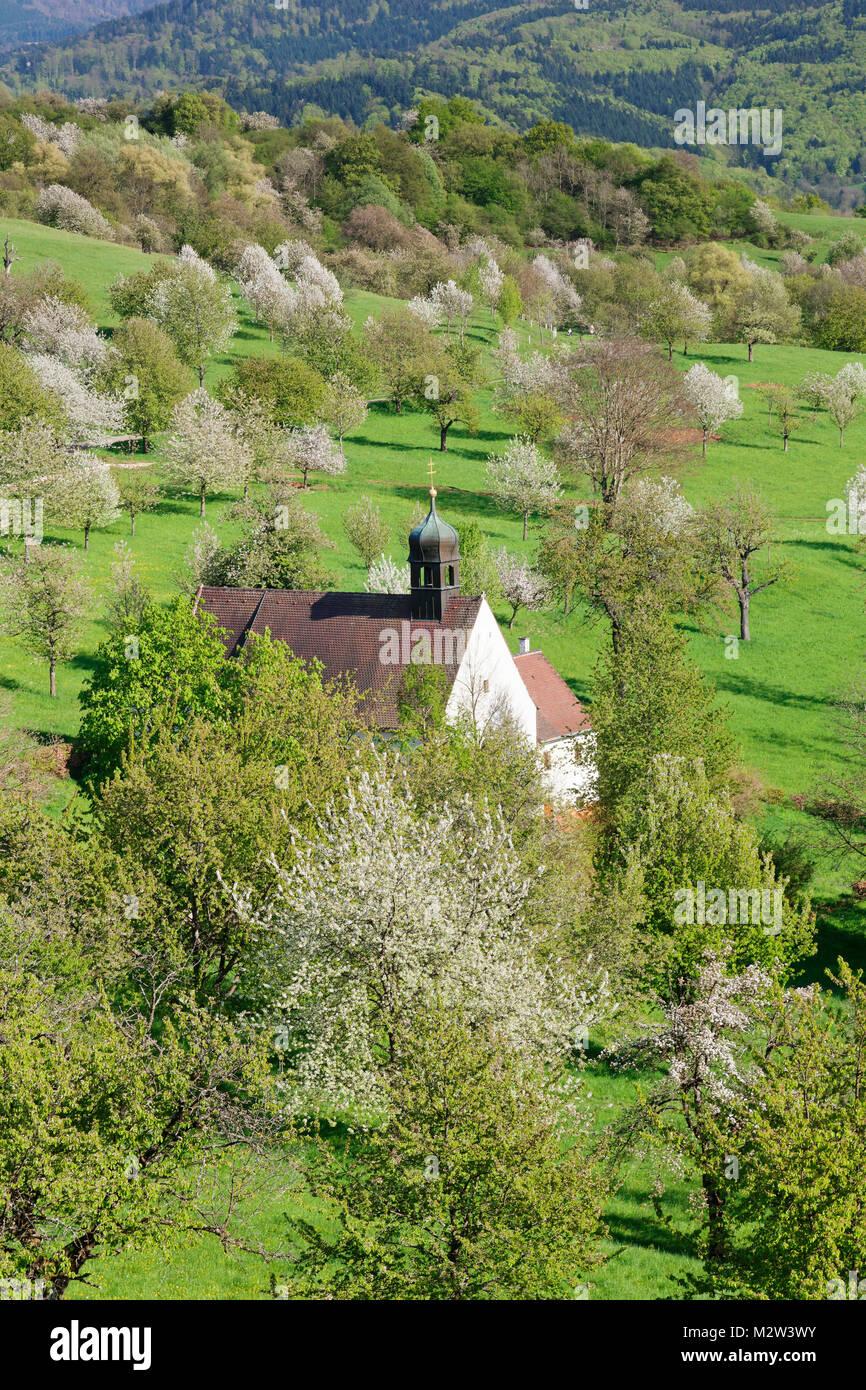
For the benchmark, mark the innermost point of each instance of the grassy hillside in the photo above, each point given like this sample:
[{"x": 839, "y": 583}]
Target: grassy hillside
[{"x": 809, "y": 635}]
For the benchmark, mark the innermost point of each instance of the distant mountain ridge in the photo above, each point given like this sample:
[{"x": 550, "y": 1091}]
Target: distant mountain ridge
[
  {"x": 619, "y": 68},
  {"x": 45, "y": 21}
]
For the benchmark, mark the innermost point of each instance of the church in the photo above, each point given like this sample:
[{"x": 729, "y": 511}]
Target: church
[{"x": 371, "y": 638}]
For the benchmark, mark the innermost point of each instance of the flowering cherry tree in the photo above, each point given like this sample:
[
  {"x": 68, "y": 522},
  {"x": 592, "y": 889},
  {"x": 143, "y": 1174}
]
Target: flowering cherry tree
[
  {"x": 310, "y": 449},
  {"x": 844, "y": 396},
  {"x": 206, "y": 452},
  {"x": 714, "y": 399},
  {"x": 91, "y": 416},
  {"x": 522, "y": 586},
  {"x": 343, "y": 406},
  {"x": 523, "y": 479},
  {"x": 452, "y": 303},
  {"x": 566, "y": 300},
  {"x": 491, "y": 280},
  {"x": 425, "y": 311},
  {"x": 63, "y": 331},
  {"x": 386, "y": 910},
  {"x": 263, "y": 286},
  {"x": 385, "y": 576},
  {"x": 195, "y": 310},
  {"x": 84, "y": 494}
]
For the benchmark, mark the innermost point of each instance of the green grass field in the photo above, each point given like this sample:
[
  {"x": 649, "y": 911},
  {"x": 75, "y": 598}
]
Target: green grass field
[{"x": 809, "y": 637}]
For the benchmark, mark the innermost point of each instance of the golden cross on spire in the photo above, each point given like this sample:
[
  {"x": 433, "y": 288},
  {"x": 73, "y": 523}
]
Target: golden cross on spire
[{"x": 432, "y": 488}]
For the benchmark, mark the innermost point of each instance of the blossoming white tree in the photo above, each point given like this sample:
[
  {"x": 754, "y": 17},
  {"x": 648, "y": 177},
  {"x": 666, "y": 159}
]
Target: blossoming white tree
[
  {"x": 310, "y": 449},
  {"x": 343, "y": 406},
  {"x": 521, "y": 376},
  {"x": 65, "y": 137},
  {"x": 91, "y": 416},
  {"x": 659, "y": 501},
  {"x": 58, "y": 206},
  {"x": 84, "y": 494},
  {"x": 566, "y": 300},
  {"x": 855, "y": 492},
  {"x": 491, "y": 280},
  {"x": 206, "y": 452},
  {"x": 387, "y": 909},
  {"x": 522, "y": 586},
  {"x": 452, "y": 304},
  {"x": 263, "y": 286},
  {"x": 64, "y": 331},
  {"x": 844, "y": 396},
  {"x": 523, "y": 479},
  {"x": 714, "y": 399},
  {"x": 289, "y": 255},
  {"x": 385, "y": 576},
  {"x": 424, "y": 310},
  {"x": 677, "y": 316},
  {"x": 195, "y": 310}
]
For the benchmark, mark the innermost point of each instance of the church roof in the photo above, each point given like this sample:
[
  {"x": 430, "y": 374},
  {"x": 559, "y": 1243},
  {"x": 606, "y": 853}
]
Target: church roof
[
  {"x": 342, "y": 631},
  {"x": 559, "y": 713}
]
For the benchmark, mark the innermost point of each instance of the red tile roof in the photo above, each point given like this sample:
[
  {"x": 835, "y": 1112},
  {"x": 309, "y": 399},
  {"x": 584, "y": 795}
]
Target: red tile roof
[
  {"x": 342, "y": 631},
  {"x": 559, "y": 712}
]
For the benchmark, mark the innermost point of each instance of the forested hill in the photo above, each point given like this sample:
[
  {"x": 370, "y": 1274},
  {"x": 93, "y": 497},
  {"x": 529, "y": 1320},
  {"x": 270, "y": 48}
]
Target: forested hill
[
  {"x": 32, "y": 21},
  {"x": 616, "y": 69}
]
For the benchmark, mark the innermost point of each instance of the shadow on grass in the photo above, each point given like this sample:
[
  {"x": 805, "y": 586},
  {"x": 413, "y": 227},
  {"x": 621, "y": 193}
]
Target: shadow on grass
[
  {"x": 775, "y": 694},
  {"x": 841, "y": 932}
]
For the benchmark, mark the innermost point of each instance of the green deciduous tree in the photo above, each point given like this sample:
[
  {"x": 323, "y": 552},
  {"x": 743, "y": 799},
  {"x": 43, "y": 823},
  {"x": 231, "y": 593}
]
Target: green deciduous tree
[
  {"x": 476, "y": 1184},
  {"x": 45, "y": 601},
  {"x": 149, "y": 376}
]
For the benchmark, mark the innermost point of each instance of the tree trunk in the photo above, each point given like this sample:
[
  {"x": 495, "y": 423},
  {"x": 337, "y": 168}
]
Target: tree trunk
[
  {"x": 744, "y": 599},
  {"x": 398, "y": 405},
  {"x": 87, "y": 538},
  {"x": 132, "y": 521},
  {"x": 670, "y": 352},
  {"x": 52, "y": 682},
  {"x": 750, "y": 351},
  {"x": 525, "y": 515},
  {"x": 704, "y": 449},
  {"x": 784, "y": 443},
  {"x": 201, "y": 510},
  {"x": 443, "y": 437},
  {"x": 201, "y": 374},
  {"x": 715, "y": 1216},
  {"x": 841, "y": 435}
]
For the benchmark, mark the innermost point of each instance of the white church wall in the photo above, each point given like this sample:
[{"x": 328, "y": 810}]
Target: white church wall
[{"x": 487, "y": 662}]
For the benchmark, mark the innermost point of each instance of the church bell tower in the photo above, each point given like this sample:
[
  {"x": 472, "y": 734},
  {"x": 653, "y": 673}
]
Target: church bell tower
[{"x": 434, "y": 565}]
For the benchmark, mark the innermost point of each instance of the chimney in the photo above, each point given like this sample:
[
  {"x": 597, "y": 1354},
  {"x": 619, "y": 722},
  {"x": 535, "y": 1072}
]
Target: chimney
[{"x": 524, "y": 645}]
